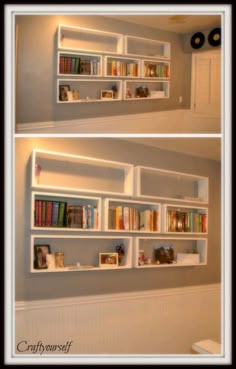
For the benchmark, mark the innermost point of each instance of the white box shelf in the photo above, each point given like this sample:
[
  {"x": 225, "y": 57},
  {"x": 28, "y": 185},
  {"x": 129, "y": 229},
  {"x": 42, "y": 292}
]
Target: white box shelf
[
  {"x": 82, "y": 249},
  {"x": 131, "y": 216},
  {"x": 63, "y": 212},
  {"x": 157, "y": 89},
  {"x": 79, "y": 64},
  {"x": 73, "y": 173},
  {"x": 118, "y": 66},
  {"x": 179, "y": 245},
  {"x": 166, "y": 185},
  {"x": 185, "y": 219},
  {"x": 155, "y": 69},
  {"x": 95, "y": 54},
  {"x": 90, "y": 90},
  {"x": 144, "y": 47},
  {"x": 74, "y": 217},
  {"x": 78, "y": 38}
]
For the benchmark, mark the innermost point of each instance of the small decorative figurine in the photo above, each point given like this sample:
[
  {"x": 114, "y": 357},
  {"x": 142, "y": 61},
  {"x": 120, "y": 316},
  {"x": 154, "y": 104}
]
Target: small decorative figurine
[{"x": 121, "y": 251}]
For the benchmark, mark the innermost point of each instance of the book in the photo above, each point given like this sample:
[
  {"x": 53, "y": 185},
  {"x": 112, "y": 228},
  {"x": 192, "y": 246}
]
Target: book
[
  {"x": 55, "y": 212},
  {"x": 73, "y": 65},
  {"x": 62, "y": 214},
  {"x": 69, "y": 63},
  {"x": 43, "y": 213},
  {"x": 40, "y": 213},
  {"x": 62, "y": 65},
  {"x": 204, "y": 223},
  {"x": 48, "y": 222},
  {"x": 126, "y": 218},
  {"x": 75, "y": 216},
  {"x": 119, "y": 218},
  {"x": 77, "y": 65},
  {"x": 111, "y": 217},
  {"x": 36, "y": 213}
]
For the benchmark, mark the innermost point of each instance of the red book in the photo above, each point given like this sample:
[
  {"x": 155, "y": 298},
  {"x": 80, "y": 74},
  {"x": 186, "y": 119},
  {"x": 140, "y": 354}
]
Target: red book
[
  {"x": 69, "y": 65},
  {"x": 204, "y": 223},
  {"x": 48, "y": 214},
  {"x": 40, "y": 213},
  {"x": 62, "y": 65},
  {"x": 36, "y": 213},
  {"x": 167, "y": 71}
]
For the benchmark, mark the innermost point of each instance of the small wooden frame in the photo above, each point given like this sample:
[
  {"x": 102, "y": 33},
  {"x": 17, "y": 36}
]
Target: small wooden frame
[
  {"x": 106, "y": 94},
  {"x": 108, "y": 260},
  {"x": 63, "y": 92}
]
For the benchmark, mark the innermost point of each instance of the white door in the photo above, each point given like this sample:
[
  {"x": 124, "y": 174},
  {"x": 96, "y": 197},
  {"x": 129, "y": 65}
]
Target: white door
[{"x": 206, "y": 83}]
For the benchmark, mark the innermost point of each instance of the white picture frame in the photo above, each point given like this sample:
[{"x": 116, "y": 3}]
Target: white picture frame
[{"x": 108, "y": 260}]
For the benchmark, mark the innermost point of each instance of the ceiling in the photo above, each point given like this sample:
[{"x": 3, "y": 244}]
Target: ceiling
[
  {"x": 208, "y": 148},
  {"x": 174, "y": 22}
]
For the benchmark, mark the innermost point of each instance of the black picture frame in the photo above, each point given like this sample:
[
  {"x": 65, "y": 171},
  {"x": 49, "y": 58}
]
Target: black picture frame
[
  {"x": 40, "y": 252},
  {"x": 63, "y": 89}
]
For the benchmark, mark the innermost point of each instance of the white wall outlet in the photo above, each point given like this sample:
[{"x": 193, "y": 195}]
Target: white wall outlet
[{"x": 180, "y": 99}]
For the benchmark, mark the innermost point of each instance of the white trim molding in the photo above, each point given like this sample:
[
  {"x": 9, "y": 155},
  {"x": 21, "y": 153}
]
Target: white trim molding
[
  {"x": 171, "y": 121},
  {"x": 164, "y": 321}
]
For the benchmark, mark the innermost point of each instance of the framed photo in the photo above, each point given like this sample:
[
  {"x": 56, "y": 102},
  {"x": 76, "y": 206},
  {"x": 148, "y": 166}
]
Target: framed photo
[
  {"x": 40, "y": 252},
  {"x": 63, "y": 89},
  {"x": 108, "y": 260},
  {"x": 106, "y": 94}
]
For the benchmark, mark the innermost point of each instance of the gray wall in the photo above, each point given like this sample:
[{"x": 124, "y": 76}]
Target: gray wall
[
  {"x": 36, "y": 86},
  {"x": 205, "y": 47},
  {"x": 55, "y": 285}
]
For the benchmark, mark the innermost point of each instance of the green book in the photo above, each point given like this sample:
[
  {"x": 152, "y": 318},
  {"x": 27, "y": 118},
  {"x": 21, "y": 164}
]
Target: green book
[{"x": 61, "y": 214}]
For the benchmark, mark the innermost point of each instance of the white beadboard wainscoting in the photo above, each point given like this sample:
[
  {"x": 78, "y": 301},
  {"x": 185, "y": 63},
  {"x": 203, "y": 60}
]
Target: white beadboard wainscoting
[
  {"x": 171, "y": 121},
  {"x": 164, "y": 321}
]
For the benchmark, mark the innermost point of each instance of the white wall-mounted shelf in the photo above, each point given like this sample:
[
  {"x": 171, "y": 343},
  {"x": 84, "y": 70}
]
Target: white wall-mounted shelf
[
  {"x": 79, "y": 64},
  {"x": 155, "y": 69},
  {"x": 120, "y": 66},
  {"x": 87, "y": 39},
  {"x": 69, "y": 216},
  {"x": 131, "y": 216},
  {"x": 144, "y": 47},
  {"x": 63, "y": 212},
  {"x": 185, "y": 219},
  {"x": 156, "y": 89},
  {"x": 179, "y": 245},
  {"x": 170, "y": 185},
  {"x": 67, "y": 172},
  {"x": 89, "y": 90},
  {"x": 100, "y": 55},
  {"x": 82, "y": 249}
]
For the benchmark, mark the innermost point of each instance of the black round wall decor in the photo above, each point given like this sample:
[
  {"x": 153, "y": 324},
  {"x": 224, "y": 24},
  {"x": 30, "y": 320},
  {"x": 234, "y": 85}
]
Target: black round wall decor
[
  {"x": 197, "y": 40},
  {"x": 214, "y": 37}
]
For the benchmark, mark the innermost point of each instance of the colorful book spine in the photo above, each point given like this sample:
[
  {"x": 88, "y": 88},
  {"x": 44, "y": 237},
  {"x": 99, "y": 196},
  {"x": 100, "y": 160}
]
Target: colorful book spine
[
  {"x": 36, "y": 213},
  {"x": 61, "y": 214},
  {"x": 48, "y": 214},
  {"x": 44, "y": 213},
  {"x": 62, "y": 65},
  {"x": 204, "y": 223},
  {"x": 55, "y": 212}
]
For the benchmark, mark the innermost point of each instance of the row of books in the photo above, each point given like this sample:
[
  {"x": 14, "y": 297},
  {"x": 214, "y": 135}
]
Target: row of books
[
  {"x": 132, "y": 219},
  {"x": 49, "y": 213},
  {"x": 157, "y": 70},
  {"x": 76, "y": 65},
  {"x": 119, "y": 68},
  {"x": 186, "y": 221}
]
